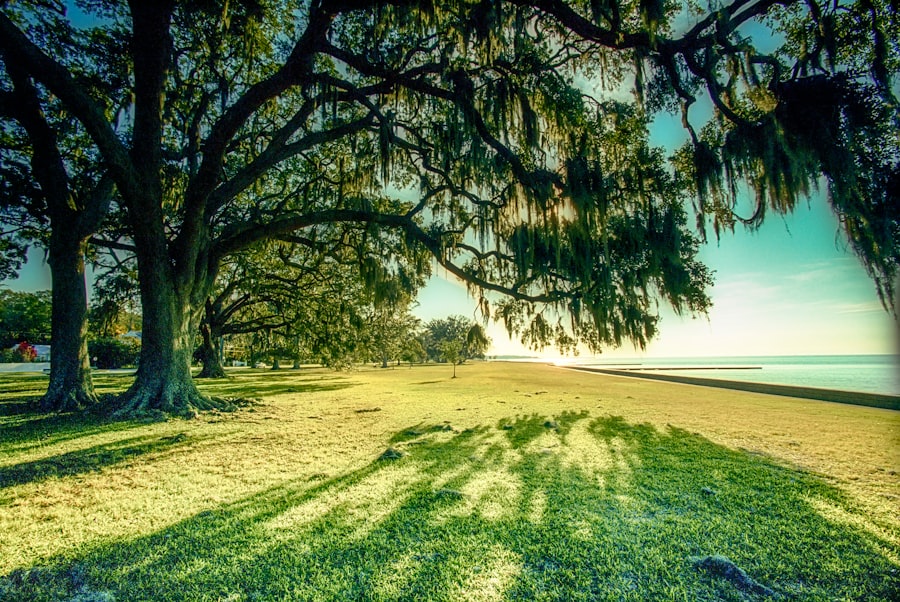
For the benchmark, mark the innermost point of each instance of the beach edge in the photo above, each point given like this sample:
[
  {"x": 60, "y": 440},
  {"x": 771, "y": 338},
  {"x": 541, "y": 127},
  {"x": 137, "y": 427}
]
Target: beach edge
[{"x": 871, "y": 400}]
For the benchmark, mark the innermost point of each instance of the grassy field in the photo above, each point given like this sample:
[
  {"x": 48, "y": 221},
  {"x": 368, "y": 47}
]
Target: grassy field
[{"x": 511, "y": 482}]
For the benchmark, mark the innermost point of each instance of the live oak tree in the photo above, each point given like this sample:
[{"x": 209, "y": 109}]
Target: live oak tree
[
  {"x": 493, "y": 134},
  {"x": 300, "y": 289},
  {"x": 391, "y": 332},
  {"x": 455, "y": 339},
  {"x": 56, "y": 193},
  {"x": 389, "y": 292}
]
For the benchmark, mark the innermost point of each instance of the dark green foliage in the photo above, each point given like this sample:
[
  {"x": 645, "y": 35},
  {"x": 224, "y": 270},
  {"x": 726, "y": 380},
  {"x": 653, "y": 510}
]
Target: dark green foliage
[
  {"x": 112, "y": 352},
  {"x": 454, "y": 339},
  {"x": 817, "y": 109},
  {"x": 24, "y": 317},
  {"x": 12, "y": 256}
]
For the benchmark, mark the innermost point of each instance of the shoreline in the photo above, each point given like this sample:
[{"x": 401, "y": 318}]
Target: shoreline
[{"x": 872, "y": 400}]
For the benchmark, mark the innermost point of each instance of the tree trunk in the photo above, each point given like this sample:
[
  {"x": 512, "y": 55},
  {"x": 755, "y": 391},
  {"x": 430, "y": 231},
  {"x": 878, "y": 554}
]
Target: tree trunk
[
  {"x": 163, "y": 381},
  {"x": 296, "y": 349},
  {"x": 210, "y": 354},
  {"x": 276, "y": 364},
  {"x": 71, "y": 387}
]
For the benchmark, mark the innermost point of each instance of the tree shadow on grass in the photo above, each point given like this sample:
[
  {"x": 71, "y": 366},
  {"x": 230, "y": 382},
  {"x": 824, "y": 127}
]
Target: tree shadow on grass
[
  {"x": 522, "y": 431},
  {"x": 614, "y": 511},
  {"x": 24, "y": 427},
  {"x": 31, "y": 429},
  {"x": 19, "y": 392},
  {"x": 91, "y": 459},
  {"x": 262, "y": 385}
]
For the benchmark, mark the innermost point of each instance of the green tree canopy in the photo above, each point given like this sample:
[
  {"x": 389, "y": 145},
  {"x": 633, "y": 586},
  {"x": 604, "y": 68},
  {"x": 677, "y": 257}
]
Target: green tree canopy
[
  {"x": 24, "y": 317},
  {"x": 56, "y": 189},
  {"x": 498, "y": 135},
  {"x": 466, "y": 338}
]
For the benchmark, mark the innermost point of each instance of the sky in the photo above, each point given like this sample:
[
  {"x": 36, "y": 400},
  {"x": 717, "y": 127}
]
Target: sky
[{"x": 790, "y": 288}]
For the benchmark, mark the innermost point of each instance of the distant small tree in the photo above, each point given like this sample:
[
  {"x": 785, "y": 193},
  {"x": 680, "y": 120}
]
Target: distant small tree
[
  {"x": 439, "y": 331},
  {"x": 472, "y": 339},
  {"x": 452, "y": 352},
  {"x": 413, "y": 351},
  {"x": 454, "y": 340},
  {"x": 392, "y": 330}
]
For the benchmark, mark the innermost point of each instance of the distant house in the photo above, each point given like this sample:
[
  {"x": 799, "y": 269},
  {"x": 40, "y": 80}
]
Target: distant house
[{"x": 132, "y": 334}]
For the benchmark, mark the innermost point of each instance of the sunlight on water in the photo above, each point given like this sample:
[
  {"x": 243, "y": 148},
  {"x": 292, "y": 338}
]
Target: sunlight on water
[{"x": 864, "y": 373}]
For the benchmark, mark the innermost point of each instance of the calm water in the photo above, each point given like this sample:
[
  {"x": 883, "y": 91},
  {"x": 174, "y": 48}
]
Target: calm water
[{"x": 869, "y": 373}]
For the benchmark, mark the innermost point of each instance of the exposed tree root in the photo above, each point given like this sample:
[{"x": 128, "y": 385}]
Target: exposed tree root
[
  {"x": 67, "y": 399},
  {"x": 181, "y": 400},
  {"x": 720, "y": 566}
]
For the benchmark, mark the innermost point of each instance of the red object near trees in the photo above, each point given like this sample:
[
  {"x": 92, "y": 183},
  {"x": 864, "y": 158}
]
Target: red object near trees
[{"x": 26, "y": 352}]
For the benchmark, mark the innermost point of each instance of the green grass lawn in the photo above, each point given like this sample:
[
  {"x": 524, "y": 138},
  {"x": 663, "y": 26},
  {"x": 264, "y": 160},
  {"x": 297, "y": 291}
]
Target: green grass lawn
[{"x": 512, "y": 483}]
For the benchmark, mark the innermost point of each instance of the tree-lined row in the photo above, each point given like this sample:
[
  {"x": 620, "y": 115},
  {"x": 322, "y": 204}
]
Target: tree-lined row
[
  {"x": 256, "y": 325},
  {"x": 493, "y": 137}
]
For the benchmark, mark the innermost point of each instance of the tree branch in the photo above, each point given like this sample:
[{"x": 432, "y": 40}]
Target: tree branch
[
  {"x": 15, "y": 47},
  {"x": 243, "y": 237}
]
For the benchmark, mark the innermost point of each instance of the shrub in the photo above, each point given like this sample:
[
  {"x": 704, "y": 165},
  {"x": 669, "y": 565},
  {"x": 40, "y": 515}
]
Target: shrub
[
  {"x": 107, "y": 353},
  {"x": 24, "y": 352}
]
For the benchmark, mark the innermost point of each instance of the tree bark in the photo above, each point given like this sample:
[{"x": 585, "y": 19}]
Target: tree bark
[
  {"x": 210, "y": 353},
  {"x": 71, "y": 387},
  {"x": 163, "y": 381},
  {"x": 170, "y": 321}
]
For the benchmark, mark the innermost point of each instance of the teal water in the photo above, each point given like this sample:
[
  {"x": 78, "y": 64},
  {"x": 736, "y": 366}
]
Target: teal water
[{"x": 866, "y": 373}]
